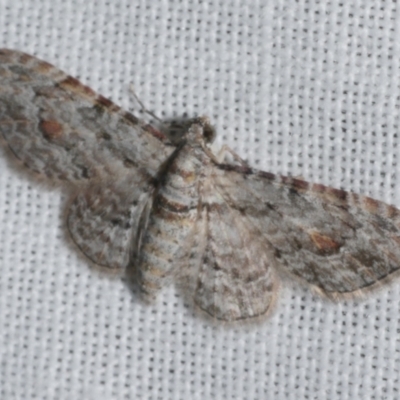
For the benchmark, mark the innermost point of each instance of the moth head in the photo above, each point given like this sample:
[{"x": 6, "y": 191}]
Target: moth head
[{"x": 201, "y": 131}]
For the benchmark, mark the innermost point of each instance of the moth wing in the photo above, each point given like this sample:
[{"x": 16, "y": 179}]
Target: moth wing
[
  {"x": 234, "y": 277},
  {"x": 341, "y": 243},
  {"x": 106, "y": 221},
  {"x": 62, "y": 129}
]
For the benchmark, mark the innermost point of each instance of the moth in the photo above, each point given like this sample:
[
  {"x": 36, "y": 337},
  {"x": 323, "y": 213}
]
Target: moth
[{"x": 173, "y": 210}]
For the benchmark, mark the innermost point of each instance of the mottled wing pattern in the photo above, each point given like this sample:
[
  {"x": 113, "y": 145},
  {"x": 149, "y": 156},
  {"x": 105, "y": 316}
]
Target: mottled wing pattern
[
  {"x": 235, "y": 274},
  {"x": 62, "y": 129},
  {"x": 338, "y": 242},
  {"x": 175, "y": 211},
  {"x": 105, "y": 220}
]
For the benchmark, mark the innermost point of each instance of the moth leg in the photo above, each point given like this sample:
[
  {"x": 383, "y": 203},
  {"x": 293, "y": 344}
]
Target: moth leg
[{"x": 223, "y": 154}]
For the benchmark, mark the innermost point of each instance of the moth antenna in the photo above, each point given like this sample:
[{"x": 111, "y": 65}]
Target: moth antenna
[{"x": 142, "y": 106}]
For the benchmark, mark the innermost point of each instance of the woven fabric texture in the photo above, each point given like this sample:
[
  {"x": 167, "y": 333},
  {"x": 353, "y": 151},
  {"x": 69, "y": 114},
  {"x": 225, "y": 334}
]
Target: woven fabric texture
[{"x": 305, "y": 88}]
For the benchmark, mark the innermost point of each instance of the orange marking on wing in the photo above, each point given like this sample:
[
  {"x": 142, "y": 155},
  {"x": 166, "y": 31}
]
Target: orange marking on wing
[
  {"x": 107, "y": 103},
  {"x": 51, "y": 129},
  {"x": 43, "y": 67},
  {"x": 155, "y": 132},
  {"x": 74, "y": 85},
  {"x": 323, "y": 242},
  {"x": 371, "y": 205}
]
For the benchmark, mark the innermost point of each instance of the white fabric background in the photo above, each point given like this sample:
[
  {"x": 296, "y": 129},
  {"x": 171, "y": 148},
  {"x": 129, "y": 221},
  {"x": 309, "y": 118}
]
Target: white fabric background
[{"x": 308, "y": 88}]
